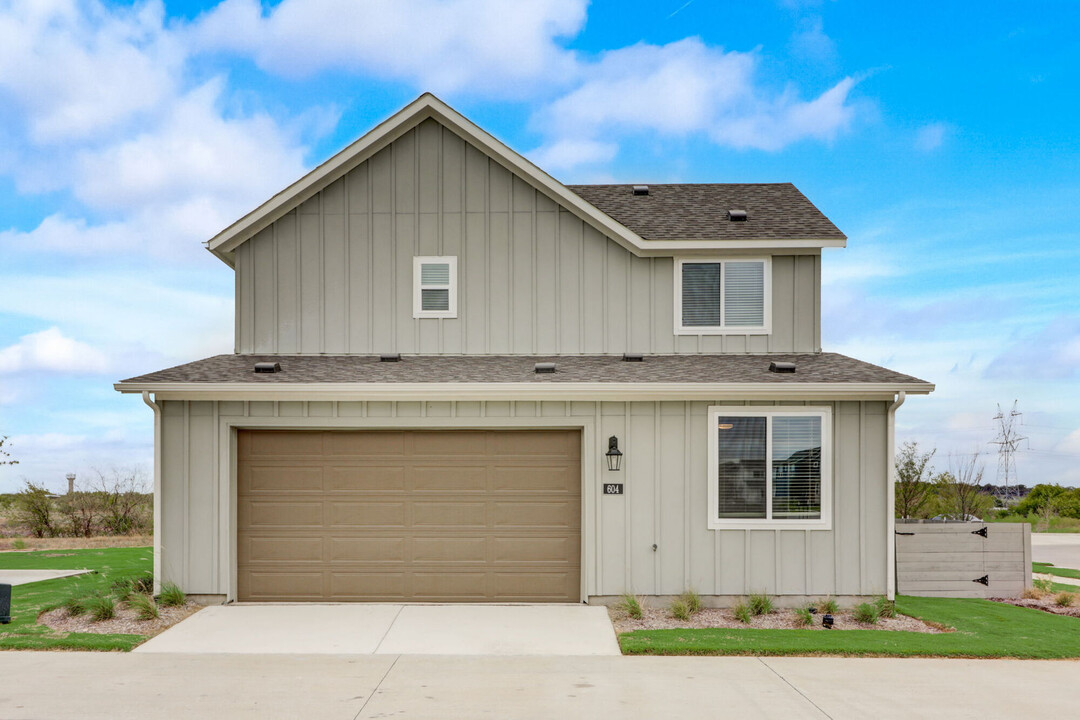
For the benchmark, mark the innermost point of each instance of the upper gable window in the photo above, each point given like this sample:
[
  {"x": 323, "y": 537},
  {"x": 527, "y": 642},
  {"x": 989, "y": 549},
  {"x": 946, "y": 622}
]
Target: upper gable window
[
  {"x": 435, "y": 287},
  {"x": 714, "y": 297}
]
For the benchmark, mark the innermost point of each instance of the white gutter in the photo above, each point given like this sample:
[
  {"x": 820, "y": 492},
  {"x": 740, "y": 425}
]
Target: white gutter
[
  {"x": 611, "y": 391},
  {"x": 890, "y": 504},
  {"x": 157, "y": 487}
]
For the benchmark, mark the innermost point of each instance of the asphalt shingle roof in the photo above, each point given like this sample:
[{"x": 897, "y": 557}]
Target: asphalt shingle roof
[
  {"x": 811, "y": 368},
  {"x": 700, "y": 212}
]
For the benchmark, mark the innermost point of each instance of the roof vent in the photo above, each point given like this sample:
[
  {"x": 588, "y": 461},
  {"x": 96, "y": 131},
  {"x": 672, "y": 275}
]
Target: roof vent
[
  {"x": 782, "y": 367},
  {"x": 267, "y": 367},
  {"x": 641, "y": 189},
  {"x": 736, "y": 215},
  {"x": 633, "y": 357},
  {"x": 544, "y": 368},
  {"x": 390, "y": 357}
]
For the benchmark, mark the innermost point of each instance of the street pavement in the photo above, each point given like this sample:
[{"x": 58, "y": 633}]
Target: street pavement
[{"x": 1060, "y": 549}]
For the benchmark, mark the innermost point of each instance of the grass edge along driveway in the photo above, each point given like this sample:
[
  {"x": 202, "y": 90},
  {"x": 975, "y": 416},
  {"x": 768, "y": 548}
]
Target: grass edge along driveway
[
  {"x": 983, "y": 629},
  {"x": 30, "y": 600}
]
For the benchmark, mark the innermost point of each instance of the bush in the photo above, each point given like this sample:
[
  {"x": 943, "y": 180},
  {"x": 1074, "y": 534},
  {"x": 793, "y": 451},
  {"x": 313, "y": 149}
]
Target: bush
[
  {"x": 867, "y": 613},
  {"x": 760, "y": 604},
  {"x": 1064, "y": 599},
  {"x": 828, "y": 605},
  {"x": 1046, "y": 585},
  {"x": 32, "y": 511},
  {"x": 171, "y": 595},
  {"x": 100, "y": 607},
  {"x": 886, "y": 607},
  {"x": 630, "y": 605},
  {"x": 679, "y": 609},
  {"x": 804, "y": 617},
  {"x": 144, "y": 606},
  {"x": 1033, "y": 593},
  {"x": 742, "y": 612},
  {"x": 19, "y": 544}
]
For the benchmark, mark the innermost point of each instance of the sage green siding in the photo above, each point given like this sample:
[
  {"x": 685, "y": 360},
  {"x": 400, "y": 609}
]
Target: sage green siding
[
  {"x": 334, "y": 275},
  {"x": 665, "y": 475}
]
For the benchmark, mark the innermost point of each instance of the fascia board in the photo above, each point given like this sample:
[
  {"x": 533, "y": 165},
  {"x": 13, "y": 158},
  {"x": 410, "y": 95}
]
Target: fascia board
[{"x": 524, "y": 391}]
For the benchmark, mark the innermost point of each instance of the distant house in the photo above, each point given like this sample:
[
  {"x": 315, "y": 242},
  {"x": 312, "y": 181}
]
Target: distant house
[{"x": 457, "y": 379}]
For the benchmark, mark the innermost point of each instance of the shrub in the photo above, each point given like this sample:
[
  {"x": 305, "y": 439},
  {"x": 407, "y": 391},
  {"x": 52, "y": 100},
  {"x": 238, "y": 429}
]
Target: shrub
[
  {"x": 760, "y": 604},
  {"x": 630, "y": 605},
  {"x": 867, "y": 613},
  {"x": 100, "y": 607},
  {"x": 679, "y": 609},
  {"x": 19, "y": 544},
  {"x": 1044, "y": 584},
  {"x": 144, "y": 606},
  {"x": 1064, "y": 599},
  {"x": 692, "y": 600},
  {"x": 742, "y": 613},
  {"x": 171, "y": 595},
  {"x": 828, "y": 605},
  {"x": 886, "y": 607},
  {"x": 1033, "y": 593},
  {"x": 804, "y": 617}
]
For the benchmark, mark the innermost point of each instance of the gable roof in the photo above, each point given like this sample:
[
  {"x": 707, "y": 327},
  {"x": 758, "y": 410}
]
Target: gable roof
[
  {"x": 428, "y": 106},
  {"x": 700, "y": 212}
]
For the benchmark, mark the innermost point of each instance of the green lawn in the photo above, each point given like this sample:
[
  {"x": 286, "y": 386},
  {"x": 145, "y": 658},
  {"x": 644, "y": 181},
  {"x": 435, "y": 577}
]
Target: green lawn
[
  {"x": 983, "y": 629},
  {"x": 27, "y": 601},
  {"x": 1050, "y": 569},
  {"x": 1057, "y": 524}
]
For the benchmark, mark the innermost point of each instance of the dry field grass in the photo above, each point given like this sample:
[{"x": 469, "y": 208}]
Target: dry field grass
[{"x": 75, "y": 543}]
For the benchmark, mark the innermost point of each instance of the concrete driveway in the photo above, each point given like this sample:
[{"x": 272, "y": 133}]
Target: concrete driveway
[
  {"x": 22, "y": 577},
  {"x": 87, "y": 686},
  {"x": 363, "y": 629},
  {"x": 1061, "y": 549}
]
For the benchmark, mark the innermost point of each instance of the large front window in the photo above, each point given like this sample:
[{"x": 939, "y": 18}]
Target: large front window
[{"x": 769, "y": 468}]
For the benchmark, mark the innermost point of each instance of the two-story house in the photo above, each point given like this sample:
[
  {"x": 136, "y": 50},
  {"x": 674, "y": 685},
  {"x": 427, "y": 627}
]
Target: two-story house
[{"x": 457, "y": 379}]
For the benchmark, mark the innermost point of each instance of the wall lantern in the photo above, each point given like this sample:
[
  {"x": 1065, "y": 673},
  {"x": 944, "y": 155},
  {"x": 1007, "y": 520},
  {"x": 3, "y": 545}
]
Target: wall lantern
[{"x": 614, "y": 455}]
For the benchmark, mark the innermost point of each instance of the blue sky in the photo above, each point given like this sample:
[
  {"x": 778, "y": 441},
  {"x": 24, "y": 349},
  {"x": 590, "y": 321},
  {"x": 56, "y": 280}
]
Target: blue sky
[{"x": 943, "y": 141}]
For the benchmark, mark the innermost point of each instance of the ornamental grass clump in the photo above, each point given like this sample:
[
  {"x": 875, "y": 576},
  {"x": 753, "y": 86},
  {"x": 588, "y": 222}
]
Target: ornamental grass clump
[
  {"x": 742, "y": 612},
  {"x": 692, "y": 600},
  {"x": 1064, "y": 599},
  {"x": 144, "y": 606},
  {"x": 171, "y": 595},
  {"x": 679, "y": 609},
  {"x": 867, "y": 613},
  {"x": 74, "y": 606},
  {"x": 100, "y": 607},
  {"x": 828, "y": 605},
  {"x": 886, "y": 607},
  {"x": 630, "y": 605},
  {"x": 761, "y": 604},
  {"x": 804, "y": 617}
]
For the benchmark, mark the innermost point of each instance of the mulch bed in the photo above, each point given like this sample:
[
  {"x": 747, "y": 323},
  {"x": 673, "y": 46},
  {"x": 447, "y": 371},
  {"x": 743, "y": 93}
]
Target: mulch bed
[
  {"x": 1046, "y": 603},
  {"x": 125, "y": 622},
  {"x": 660, "y": 619}
]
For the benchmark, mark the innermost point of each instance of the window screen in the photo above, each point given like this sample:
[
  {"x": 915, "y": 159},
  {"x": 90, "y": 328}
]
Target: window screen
[
  {"x": 796, "y": 467},
  {"x": 742, "y": 462},
  {"x": 744, "y": 294}
]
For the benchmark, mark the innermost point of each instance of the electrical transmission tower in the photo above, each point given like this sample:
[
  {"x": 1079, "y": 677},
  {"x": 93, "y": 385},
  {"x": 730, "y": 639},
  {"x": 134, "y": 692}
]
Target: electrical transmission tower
[{"x": 1008, "y": 441}]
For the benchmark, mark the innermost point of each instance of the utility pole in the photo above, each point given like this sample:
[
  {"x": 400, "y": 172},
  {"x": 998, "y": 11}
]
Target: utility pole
[{"x": 1008, "y": 441}]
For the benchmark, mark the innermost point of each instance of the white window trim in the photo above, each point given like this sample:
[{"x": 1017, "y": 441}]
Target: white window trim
[
  {"x": 418, "y": 311},
  {"x": 767, "y": 523},
  {"x": 764, "y": 329}
]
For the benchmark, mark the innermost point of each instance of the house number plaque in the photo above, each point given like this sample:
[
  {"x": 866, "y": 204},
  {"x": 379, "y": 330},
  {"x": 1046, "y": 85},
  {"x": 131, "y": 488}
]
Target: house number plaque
[{"x": 613, "y": 488}]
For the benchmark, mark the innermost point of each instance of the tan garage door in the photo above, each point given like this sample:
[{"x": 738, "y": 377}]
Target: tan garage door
[{"x": 470, "y": 516}]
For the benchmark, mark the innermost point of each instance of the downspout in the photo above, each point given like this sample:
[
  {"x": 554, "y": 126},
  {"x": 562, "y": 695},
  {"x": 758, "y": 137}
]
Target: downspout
[
  {"x": 152, "y": 404},
  {"x": 890, "y": 458}
]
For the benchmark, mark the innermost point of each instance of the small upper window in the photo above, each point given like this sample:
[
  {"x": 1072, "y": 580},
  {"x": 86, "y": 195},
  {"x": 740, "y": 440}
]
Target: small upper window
[
  {"x": 435, "y": 287},
  {"x": 721, "y": 296}
]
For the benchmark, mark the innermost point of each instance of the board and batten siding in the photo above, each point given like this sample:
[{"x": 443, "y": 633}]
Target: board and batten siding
[
  {"x": 665, "y": 504},
  {"x": 334, "y": 275}
]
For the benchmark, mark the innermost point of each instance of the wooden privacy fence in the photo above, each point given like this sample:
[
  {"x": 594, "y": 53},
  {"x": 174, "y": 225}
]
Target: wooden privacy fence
[{"x": 962, "y": 559}]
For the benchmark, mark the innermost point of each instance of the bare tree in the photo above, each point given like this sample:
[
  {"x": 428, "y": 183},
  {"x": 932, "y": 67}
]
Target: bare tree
[
  {"x": 82, "y": 510},
  {"x": 125, "y": 507},
  {"x": 4, "y": 454},
  {"x": 913, "y": 472},
  {"x": 960, "y": 488}
]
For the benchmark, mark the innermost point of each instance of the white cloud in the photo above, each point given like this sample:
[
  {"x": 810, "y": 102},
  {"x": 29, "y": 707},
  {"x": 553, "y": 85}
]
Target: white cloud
[
  {"x": 476, "y": 46},
  {"x": 684, "y": 88},
  {"x": 50, "y": 351},
  {"x": 811, "y": 43},
  {"x": 931, "y": 137},
  {"x": 77, "y": 67},
  {"x": 571, "y": 153},
  {"x": 1050, "y": 353}
]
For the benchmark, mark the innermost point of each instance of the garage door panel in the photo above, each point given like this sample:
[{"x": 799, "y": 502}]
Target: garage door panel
[
  {"x": 554, "y": 479},
  {"x": 409, "y": 515},
  {"x": 365, "y": 514},
  {"x": 285, "y": 549},
  {"x": 285, "y": 479},
  {"x": 444, "y": 478},
  {"x": 449, "y": 514},
  {"x": 368, "y": 549},
  {"x": 258, "y": 513},
  {"x": 365, "y": 479},
  {"x": 449, "y": 549}
]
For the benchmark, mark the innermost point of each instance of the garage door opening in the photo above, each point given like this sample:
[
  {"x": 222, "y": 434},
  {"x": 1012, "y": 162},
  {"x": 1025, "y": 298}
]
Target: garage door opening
[{"x": 409, "y": 516}]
